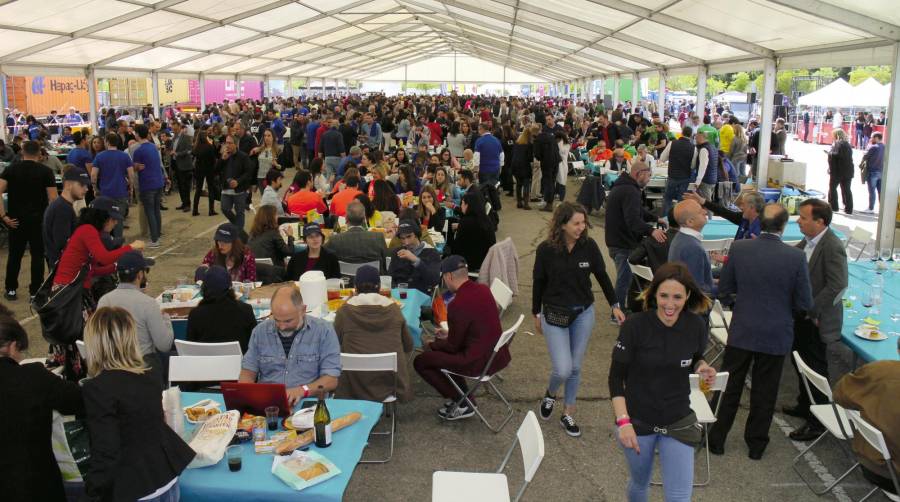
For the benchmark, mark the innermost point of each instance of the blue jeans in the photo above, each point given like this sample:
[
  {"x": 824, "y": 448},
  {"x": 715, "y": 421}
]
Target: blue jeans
[
  {"x": 488, "y": 178},
  {"x": 623, "y": 273},
  {"x": 873, "y": 182},
  {"x": 561, "y": 191},
  {"x": 173, "y": 494},
  {"x": 233, "y": 207},
  {"x": 674, "y": 189},
  {"x": 331, "y": 165},
  {"x": 151, "y": 200},
  {"x": 676, "y": 460},
  {"x": 567, "y": 347}
]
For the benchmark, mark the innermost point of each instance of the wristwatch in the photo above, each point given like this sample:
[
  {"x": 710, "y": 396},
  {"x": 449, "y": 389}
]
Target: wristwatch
[{"x": 615, "y": 306}]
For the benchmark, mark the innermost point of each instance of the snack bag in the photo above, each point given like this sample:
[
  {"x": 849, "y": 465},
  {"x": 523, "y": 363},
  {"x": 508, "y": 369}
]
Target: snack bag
[
  {"x": 213, "y": 438},
  {"x": 303, "y": 469}
]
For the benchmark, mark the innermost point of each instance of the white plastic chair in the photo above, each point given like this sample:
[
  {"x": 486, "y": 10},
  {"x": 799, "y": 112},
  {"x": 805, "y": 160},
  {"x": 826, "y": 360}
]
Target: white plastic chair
[
  {"x": 450, "y": 486},
  {"x": 264, "y": 261},
  {"x": 349, "y": 269},
  {"x": 204, "y": 369},
  {"x": 82, "y": 348},
  {"x": 186, "y": 348},
  {"x": 641, "y": 272},
  {"x": 377, "y": 362},
  {"x": 502, "y": 294},
  {"x": 832, "y": 416},
  {"x": 860, "y": 236},
  {"x": 719, "y": 323},
  {"x": 705, "y": 414},
  {"x": 793, "y": 243},
  {"x": 715, "y": 244},
  {"x": 485, "y": 378},
  {"x": 875, "y": 438}
]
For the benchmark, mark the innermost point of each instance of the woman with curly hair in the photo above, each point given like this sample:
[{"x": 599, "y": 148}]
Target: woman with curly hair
[{"x": 562, "y": 303}]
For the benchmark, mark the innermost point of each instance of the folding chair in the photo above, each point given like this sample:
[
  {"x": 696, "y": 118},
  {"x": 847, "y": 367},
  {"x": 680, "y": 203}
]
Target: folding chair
[
  {"x": 377, "y": 362},
  {"x": 641, "y": 272},
  {"x": 204, "y": 368},
  {"x": 832, "y": 416},
  {"x": 186, "y": 348},
  {"x": 502, "y": 294},
  {"x": 505, "y": 338},
  {"x": 450, "y": 486},
  {"x": 719, "y": 245},
  {"x": 792, "y": 243},
  {"x": 875, "y": 438},
  {"x": 719, "y": 322},
  {"x": 264, "y": 261},
  {"x": 82, "y": 349},
  {"x": 859, "y": 235}
]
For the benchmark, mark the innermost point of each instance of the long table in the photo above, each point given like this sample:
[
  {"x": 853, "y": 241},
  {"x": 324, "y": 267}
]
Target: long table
[
  {"x": 718, "y": 228},
  {"x": 861, "y": 275},
  {"x": 255, "y": 481}
]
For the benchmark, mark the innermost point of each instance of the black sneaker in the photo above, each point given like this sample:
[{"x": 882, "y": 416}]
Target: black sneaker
[
  {"x": 458, "y": 413},
  {"x": 11, "y": 295},
  {"x": 568, "y": 423},
  {"x": 547, "y": 406}
]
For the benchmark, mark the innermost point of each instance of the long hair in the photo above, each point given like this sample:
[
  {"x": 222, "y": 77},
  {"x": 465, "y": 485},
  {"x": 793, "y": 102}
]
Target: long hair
[
  {"x": 367, "y": 204},
  {"x": 420, "y": 210},
  {"x": 563, "y": 213},
  {"x": 97, "y": 218},
  {"x": 385, "y": 197},
  {"x": 525, "y": 136},
  {"x": 11, "y": 332},
  {"x": 266, "y": 219},
  {"x": 111, "y": 342},
  {"x": 475, "y": 210},
  {"x": 697, "y": 302},
  {"x": 237, "y": 254}
]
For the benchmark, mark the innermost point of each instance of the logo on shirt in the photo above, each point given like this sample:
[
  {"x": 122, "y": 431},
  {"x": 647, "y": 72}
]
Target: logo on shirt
[
  {"x": 619, "y": 346},
  {"x": 584, "y": 264},
  {"x": 685, "y": 363}
]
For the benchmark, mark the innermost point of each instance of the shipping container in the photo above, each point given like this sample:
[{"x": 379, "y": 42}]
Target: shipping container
[
  {"x": 40, "y": 95},
  {"x": 220, "y": 90},
  {"x": 172, "y": 91}
]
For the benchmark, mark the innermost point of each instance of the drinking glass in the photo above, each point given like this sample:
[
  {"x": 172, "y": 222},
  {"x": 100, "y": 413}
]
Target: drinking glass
[
  {"x": 885, "y": 254},
  {"x": 402, "y": 287},
  {"x": 272, "y": 417},
  {"x": 234, "y": 453}
]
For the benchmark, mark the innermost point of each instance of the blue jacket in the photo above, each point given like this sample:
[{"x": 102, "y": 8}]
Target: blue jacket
[
  {"x": 688, "y": 250},
  {"x": 489, "y": 150},
  {"x": 770, "y": 283},
  {"x": 311, "y": 129}
]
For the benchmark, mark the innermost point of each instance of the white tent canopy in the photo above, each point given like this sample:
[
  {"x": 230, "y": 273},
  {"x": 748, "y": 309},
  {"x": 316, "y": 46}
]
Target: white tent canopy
[
  {"x": 871, "y": 94},
  {"x": 836, "y": 94},
  {"x": 550, "y": 40},
  {"x": 731, "y": 97}
]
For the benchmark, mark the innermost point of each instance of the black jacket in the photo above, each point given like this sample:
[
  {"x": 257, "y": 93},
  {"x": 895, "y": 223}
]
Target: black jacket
[
  {"x": 472, "y": 241},
  {"x": 546, "y": 150},
  {"x": 840, "y": 161},
  {"x": 133, "y": 451},
  {"x": 237, "y": 167},
  {"x": 270, "y": 244},
  {"x": 223, "y": 320},
  {"x": 626, "y": 216},
  {"x": 327, "y": 263},
  {"x": 651, "y": 252},
  {"x": 522, "y": 157},
  {"x": 424, "y": 277},
  {"x": 29, "y": 394}
]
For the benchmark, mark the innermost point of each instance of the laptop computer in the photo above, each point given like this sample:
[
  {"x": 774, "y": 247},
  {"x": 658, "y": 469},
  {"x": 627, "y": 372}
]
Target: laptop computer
[{"x": 255, "y": 397}]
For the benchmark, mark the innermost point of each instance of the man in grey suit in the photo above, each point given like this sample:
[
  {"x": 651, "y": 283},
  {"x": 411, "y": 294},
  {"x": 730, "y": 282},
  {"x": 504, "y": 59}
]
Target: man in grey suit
[
  {"x": 182, "y": 145},
  {"x": 769, "y": 281},
  {"x": 357, "y": 244},
  {"x": 817, "y": 336}
]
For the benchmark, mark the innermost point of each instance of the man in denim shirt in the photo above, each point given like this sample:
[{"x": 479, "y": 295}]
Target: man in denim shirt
[{"x": 300, "y": 352}]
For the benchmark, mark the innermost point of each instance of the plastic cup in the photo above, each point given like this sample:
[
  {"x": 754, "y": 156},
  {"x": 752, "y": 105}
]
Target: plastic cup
[
  {"x": 334, "y": 288},
  {"x": 235, "y": 454},
  {"x": 403, "y": 288},
  {"x": 272, "y": 417},
  {"x": 385, "y": 288}
]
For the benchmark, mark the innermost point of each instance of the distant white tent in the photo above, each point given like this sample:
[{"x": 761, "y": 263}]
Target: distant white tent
[
  {"x": 731, "y": 97},
  {"x": 871, "y": 94},
  {"x": 836, "y": 94}
]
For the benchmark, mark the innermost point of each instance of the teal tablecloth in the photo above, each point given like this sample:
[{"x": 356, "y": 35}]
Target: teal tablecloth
[
  {"x": 861, "y": 275},
  {"x": 255, "y": 481},
  {"x": 724, "y": 229}
]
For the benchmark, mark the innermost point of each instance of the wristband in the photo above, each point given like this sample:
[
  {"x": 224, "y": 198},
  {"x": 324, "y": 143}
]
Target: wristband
[
  {"x": 622, "y": 422},
  {"x": 305, "y": 391}
]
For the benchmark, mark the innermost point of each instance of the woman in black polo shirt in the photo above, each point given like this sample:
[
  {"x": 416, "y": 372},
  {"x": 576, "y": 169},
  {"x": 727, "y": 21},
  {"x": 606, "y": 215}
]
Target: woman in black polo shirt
[
  {"x": 562, "y": 303},
  {"x": 648, "y": 381}
]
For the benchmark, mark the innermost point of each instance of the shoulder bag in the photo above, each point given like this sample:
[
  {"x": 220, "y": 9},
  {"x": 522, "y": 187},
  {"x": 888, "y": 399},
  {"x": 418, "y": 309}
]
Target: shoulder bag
[{"x": 686, "y": 430}]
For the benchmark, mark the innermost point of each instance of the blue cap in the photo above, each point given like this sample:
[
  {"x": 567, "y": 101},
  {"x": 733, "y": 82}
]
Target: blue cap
[
  {"x": 216, "y": 279},
  {"x": 77, "y": 174},
  {"x": 133, "y": 261},
  {"x": 367, "y": 274},
  {"x": 453, "y": 263},
  {"x": 226, "y": 232},
  {"x": 108, "y": 205}
]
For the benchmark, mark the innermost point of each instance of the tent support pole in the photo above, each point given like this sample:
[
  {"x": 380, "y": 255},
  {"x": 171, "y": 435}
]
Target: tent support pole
[
  {"x": 4, "y": 103},
  {"x": 635, "y": 91},
  {"x": 661, "y": 97},
  {"x": 202, "y": 83},
  {"x": 154, "y": 85},
  {"x": 890, "y": 181},
  {"x": 92, "y": 98},
  {"x": 700, "y": 105},
  {"x": 765, "y": 126},
  {"x": 615, "y": 91}
]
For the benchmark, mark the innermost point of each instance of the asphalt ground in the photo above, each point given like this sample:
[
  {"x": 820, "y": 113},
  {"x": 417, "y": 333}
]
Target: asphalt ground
[{"x": 589, "y": 468}]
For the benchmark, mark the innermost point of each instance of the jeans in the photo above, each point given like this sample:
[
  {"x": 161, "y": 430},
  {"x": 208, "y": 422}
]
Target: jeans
[
  {"x": 331, "y": 166},
  {"x": 123, "y": 210},
  {"x": 567, "y": 347},
  {"x": 676, "y": 460},
  {"x": 706, "y": 190},
  {"x": 675, "y": 187},
  {"x": 623, "y": 273},
  {"x": 173, "y": 494},
  {"x": 151, "y": 200},
  {"x": 873, "y": 181},
  {"x": 488, "y": 178},
  {"x": 561, "y": 191},
  {"x": 548, "y": 187},
  {"x": 233, "y": 206}
]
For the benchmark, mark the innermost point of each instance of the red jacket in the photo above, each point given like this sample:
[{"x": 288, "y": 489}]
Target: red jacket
[
  {"x": 85, "y": 247},
  {"x": 319, "y": 132},
  {"x": 474, "y": 330}
]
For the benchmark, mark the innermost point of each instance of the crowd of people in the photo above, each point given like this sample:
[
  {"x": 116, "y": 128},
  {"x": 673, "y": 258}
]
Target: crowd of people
[{"x": 383, "y": 183}]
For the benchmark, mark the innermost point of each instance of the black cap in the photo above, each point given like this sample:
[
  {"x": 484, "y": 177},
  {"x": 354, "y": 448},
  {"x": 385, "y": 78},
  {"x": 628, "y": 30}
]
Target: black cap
[
  {"x": 312, "y": 228},
  {"x": 367, "y": 274},
  {"x": 108, "y": 205},
  {"x": 226, "y": 233},
  {"x": 453, "y": 263},
  {"x": 216, "y": 279},
  {"x": 77, "y": 174},
  {"x": 133, "y": 262},
  {"x": 407, "y": 227}
]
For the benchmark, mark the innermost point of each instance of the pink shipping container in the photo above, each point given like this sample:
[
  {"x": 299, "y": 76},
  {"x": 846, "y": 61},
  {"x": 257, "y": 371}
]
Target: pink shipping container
[{"x": 220, "y": 90}]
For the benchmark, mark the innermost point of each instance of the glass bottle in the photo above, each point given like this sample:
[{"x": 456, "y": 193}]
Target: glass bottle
[{"x": 322, "y": 422}]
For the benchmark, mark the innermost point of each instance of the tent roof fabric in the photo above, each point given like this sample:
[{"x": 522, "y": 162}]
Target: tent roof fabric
[
  {"x": 543, "y": 40},
  {"x": 868, "y": 94}
]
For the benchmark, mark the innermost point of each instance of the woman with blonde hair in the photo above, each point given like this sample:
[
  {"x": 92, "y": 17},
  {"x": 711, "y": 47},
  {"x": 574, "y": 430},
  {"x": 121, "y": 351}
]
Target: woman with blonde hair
[
  {"x": 522, "y": 158},
  {"x": 134, "y": 453},
  {"x": 840, "y": 171}
]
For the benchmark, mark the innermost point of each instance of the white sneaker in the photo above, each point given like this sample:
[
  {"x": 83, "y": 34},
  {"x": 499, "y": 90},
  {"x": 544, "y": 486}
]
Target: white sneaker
[{"x": 153, "y": 244}]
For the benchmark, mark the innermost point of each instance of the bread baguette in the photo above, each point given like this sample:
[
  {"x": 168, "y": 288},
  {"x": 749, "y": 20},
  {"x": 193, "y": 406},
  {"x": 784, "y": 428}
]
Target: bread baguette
[{"x": 289, "y": 445}]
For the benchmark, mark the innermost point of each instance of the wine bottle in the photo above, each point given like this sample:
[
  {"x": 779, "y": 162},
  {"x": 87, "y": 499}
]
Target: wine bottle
[{"x": 322, "y": 422}]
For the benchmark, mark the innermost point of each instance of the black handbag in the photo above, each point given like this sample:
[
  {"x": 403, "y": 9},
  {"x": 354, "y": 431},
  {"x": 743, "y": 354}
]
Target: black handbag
[
  {"x": 560, "y": 316},
  {"x": 686, "y": 430},
  {"x": 61, "y": 311}
]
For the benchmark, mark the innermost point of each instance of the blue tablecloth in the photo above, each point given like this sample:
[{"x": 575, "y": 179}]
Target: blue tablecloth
[
  {"x": 724, "y": 229},
  {"x": 255, "y": 481},
  {"x": 861, "y": 275}
]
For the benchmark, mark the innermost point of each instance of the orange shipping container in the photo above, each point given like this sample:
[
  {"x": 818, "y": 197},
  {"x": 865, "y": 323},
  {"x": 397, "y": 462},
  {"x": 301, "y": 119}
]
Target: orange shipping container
[{"x": 40, "y": 95}]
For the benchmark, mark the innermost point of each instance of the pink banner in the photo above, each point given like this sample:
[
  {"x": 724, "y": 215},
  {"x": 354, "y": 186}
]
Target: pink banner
[{"x": 219, "y": 90}]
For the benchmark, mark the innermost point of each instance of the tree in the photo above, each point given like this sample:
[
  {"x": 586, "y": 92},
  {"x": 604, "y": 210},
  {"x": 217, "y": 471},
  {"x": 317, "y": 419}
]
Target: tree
[
  {"x": 880, "y": 73},
  {"x": 740, "y": 82},
  {"x": 715, "y": 86}
]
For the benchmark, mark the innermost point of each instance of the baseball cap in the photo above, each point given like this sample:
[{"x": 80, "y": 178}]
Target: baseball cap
[
  {"x": 407, "y": 227},
  {"x": 133, "y": 261},
  {"x": 226, "y": 233},
  {"x": 108, "y": 205},
  {"x": 453, "y": 263},
  {"x": 367, "y": 274},
  {"x": 77, "y": 174},
  {"x": 312, "y": 228},
  {"x": 216, "y": 279}
]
